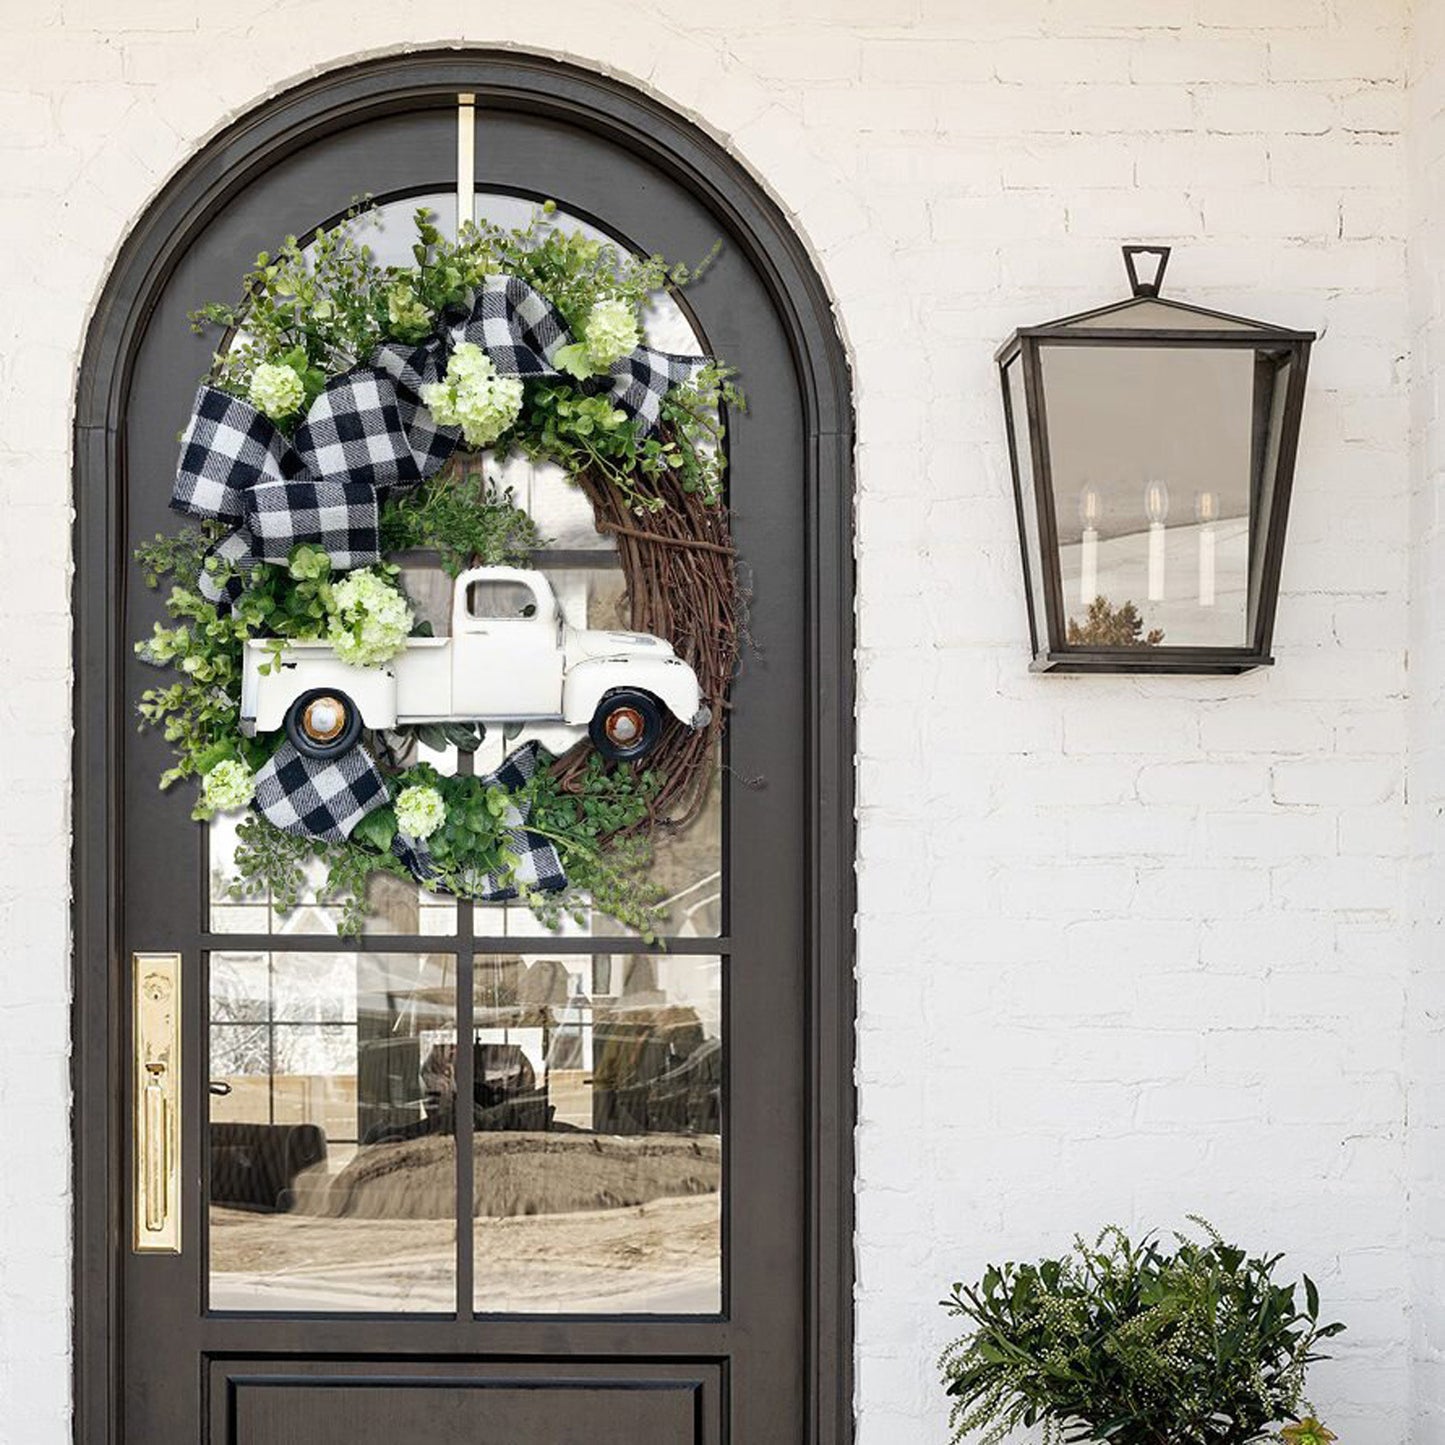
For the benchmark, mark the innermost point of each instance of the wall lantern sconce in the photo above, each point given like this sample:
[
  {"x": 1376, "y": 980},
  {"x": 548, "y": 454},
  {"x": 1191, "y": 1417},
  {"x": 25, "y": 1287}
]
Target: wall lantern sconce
[{"x": 1153, "y": 447}]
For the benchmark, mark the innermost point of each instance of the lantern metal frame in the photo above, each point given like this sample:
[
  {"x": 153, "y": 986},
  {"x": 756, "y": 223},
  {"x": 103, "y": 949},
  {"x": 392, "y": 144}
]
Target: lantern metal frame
[{"x": 1275, "y": 345}]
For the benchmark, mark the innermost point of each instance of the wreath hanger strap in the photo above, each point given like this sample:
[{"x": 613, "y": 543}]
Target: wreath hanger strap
[{"x": 466, "y": 159}]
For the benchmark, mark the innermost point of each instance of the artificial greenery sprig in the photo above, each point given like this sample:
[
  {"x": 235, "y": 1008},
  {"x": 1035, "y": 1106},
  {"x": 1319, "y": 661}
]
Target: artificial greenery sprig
[
  {"x": 462, "y": 516},
  {"x": 1134, "y": 1344}
]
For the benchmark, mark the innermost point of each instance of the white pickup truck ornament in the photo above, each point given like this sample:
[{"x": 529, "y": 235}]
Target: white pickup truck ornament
[{"x": 511, "y": 658}]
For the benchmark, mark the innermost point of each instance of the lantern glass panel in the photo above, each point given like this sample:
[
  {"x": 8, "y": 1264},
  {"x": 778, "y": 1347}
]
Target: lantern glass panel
[
  {"x": 1152, "y": 460},
  {"x": 1027, "y": 498}
]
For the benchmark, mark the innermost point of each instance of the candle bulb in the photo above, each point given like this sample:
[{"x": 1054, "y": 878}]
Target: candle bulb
[
  {"x": 1089, "y": 547},
  {"x": 1156, "y": 507},
  {"x": 1207, "y": 509}
]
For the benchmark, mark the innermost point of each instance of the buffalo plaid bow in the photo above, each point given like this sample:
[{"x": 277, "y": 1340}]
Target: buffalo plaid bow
[{"x": 369, "y": 433}]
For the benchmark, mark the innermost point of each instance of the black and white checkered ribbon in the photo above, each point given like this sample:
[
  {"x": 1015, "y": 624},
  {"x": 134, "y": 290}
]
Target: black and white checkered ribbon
[
  {"x": 317, "y": 797},
  {"x": 369, "y": 433},
  {"x": 327, "y": 798},
  {"x": 538, "y": 865}
]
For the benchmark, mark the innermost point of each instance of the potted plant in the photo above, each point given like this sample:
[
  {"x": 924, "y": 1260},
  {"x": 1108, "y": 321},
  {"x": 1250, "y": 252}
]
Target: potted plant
[{"x": 1136, "y": 1345}]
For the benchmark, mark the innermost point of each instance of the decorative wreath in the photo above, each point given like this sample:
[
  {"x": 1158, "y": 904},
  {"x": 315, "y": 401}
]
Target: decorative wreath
[{"x": 342, "y": 423}]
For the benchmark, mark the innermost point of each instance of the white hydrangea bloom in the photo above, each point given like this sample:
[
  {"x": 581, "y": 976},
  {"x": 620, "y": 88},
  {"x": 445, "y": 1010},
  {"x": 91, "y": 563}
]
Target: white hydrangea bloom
[
  {"x": 276, "y": 390},
  {"x": 228, "y": 786},
  {"x": 474, "y": 397},
  {"x": 420, "y": 811},
  {"x": 370, "y": 620},
  {"x": 611, "y": 333}
]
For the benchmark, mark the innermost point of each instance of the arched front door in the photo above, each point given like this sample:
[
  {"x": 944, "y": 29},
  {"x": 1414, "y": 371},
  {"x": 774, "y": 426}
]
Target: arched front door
[{"x": 638, "y": 1260}]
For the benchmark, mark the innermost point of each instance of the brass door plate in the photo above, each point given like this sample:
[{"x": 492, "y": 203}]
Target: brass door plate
[{"x": 156, "y": 1103}]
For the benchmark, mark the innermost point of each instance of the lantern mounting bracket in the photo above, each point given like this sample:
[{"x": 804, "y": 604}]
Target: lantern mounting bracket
[{"x": 1146, "y": 287}]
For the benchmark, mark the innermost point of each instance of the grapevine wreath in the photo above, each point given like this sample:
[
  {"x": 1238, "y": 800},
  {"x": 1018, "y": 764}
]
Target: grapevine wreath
[{"x": 349, "y": 417}]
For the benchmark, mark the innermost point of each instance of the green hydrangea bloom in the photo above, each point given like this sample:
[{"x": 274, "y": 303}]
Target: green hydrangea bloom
[
  {"x": 611, "y": 332},
  {"x": 228, "y": 786},
  {"x": 370, "y": 620},
  {"x": 420, "y": 811},
  {"x": 474, "y": 397},
  {"x": 276, "y": 390}
]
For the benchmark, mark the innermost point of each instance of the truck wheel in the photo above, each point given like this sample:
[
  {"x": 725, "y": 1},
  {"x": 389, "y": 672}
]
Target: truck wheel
[
  {"x": 626, "y": 726},
  {"x": 323, "y": 723}
]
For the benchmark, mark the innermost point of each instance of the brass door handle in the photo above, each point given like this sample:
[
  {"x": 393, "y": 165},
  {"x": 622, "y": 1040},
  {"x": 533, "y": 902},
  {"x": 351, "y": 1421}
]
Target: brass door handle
[
  {"x": 156, "y": 1129},
  {"x": 156, "y": 1003}
]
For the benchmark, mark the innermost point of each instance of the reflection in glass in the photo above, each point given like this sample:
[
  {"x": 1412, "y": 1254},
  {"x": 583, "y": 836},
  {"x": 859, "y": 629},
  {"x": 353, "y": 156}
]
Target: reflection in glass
[
  {"x": 1153, "y": 469},
  {"x": 332, "y": 1158},
  {"x": 598, "y": 1142}
]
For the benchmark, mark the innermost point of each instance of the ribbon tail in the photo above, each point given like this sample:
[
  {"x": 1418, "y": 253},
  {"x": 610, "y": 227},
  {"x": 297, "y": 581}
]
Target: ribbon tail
[
  {"x": 319, "y": 797},
  {"x": 539, "y": 865},
  {"x": 640, "y": 382}
]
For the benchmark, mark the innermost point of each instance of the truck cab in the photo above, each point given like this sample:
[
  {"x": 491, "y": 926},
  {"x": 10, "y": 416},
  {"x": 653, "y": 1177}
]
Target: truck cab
[{"x": 509, "y": 645}]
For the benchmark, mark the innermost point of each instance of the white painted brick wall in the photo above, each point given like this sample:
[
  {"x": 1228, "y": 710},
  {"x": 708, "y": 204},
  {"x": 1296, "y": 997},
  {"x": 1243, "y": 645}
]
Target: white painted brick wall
[
  {"x": 1155, "y": 955},
  {"x": 1425, "y": 1056}
]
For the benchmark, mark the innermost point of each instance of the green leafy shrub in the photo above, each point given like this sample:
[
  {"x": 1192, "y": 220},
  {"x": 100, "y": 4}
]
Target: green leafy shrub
[{"x": 1133, "y": 1344}]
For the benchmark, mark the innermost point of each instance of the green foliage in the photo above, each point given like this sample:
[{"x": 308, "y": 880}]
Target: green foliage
[
  {"x": 320, "y": 308},
  {"x": 1132, "y": 1344},
  {"x": 181, "y": 554},
  {"x": 608, "y": 800},
  {"x": 1109, "y": 626},
  {"x": 269, "y": 863},
  {"x": 324, "y": 307},
  {"x": 612, "y": 875},
  {"x": 465, "y": 518}
]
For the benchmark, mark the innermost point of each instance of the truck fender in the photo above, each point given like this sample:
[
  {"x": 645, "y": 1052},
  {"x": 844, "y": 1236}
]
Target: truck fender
[{"x": 670, "y": 680}]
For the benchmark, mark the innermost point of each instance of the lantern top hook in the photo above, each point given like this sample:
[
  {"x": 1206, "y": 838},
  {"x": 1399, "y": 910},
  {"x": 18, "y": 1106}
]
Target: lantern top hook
[{"x": 1148, "y": 286}]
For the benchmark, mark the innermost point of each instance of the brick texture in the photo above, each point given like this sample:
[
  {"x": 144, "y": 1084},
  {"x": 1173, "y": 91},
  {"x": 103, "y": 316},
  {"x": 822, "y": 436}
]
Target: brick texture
[
  {"x": 1425, "y": 1036},
  {"x": 1127, "y": 948}
]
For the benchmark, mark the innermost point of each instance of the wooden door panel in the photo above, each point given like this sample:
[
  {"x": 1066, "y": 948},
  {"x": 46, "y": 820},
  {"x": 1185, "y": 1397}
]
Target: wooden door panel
[
  {"x": 562, "y": 1402},
  {"x": 380, "y": 1412}
]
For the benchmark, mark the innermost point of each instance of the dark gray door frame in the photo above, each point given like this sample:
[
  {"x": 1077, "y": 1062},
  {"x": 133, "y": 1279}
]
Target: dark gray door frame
[{"x": 276, "y": 129}]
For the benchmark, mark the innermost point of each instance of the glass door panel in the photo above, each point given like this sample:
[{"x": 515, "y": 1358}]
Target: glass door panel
[
  {"x": 332, "y": 1156},
  {"x": 598, "y": 1142}
]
